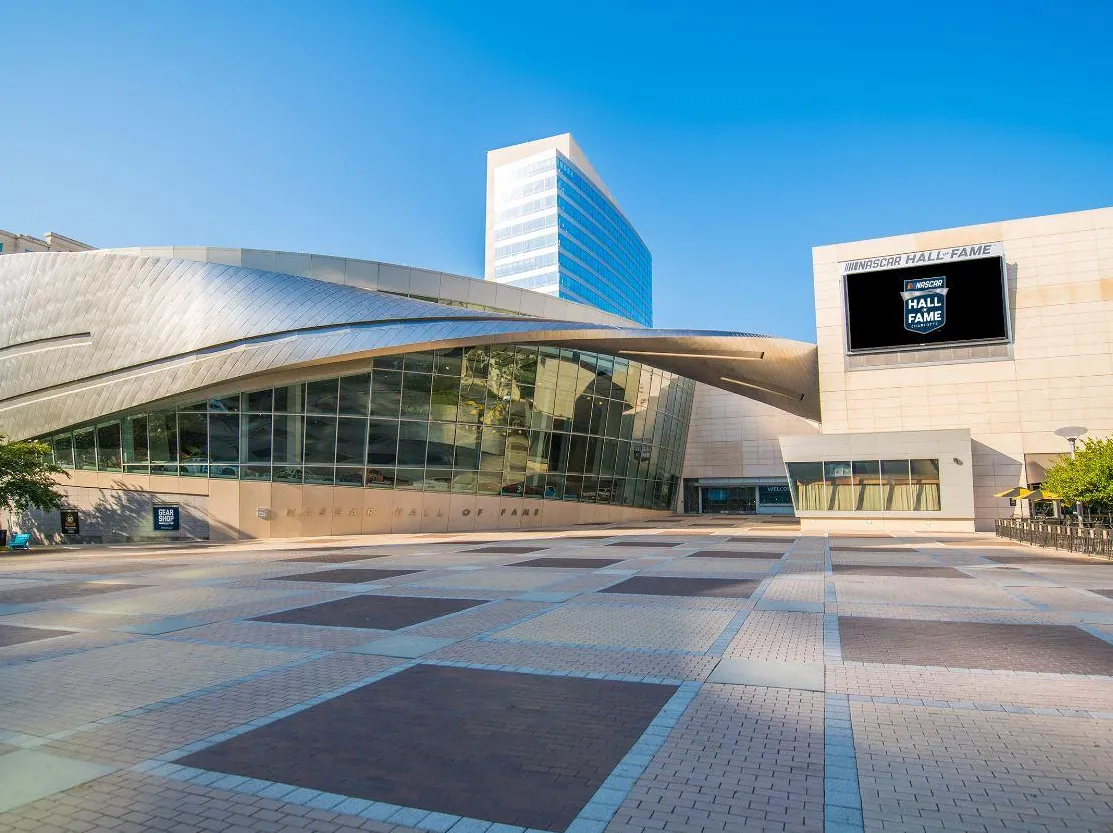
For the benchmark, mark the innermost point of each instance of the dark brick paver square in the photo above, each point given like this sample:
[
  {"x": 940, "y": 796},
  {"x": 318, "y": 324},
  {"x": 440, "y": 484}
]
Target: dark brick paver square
[
  {"x": 571, "y": 563},
  {"x": 17, "y": 635},
  {"x": 672, "y": 586},
  {"x": 349, "y": 576},
  {"x": 643, "y": 544},
  {"x": 767, "y": 556},
  {"x": 517, "y": 749},
  {"x": 66, "y": 590},
  {"x": 1107, "y": 593},
  {"x": 897, "y": 570},
  {"x": 376, "y": 612},
  {"x": 509, "y": 550},
  {"x": 340, "y": 557},
  {"x": 1056, "y": 649}
]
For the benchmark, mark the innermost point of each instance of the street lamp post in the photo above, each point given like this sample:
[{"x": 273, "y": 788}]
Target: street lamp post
[{"x": 1071, "y": 433}]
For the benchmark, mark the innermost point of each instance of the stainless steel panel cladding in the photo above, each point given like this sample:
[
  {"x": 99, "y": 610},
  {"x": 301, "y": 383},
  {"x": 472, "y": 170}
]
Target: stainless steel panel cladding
[{"x": 85, "y": 335}]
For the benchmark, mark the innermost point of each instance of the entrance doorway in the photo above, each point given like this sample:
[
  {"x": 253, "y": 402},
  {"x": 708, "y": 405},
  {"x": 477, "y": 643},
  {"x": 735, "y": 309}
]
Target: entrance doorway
[{"x": 729, "y": 500}]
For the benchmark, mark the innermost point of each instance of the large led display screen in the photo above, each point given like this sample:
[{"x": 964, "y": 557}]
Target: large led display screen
[{"x": 930, "y": 299}]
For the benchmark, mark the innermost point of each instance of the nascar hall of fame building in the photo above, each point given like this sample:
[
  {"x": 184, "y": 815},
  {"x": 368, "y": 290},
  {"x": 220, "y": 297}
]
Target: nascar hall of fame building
[{"x": 232, "y": 393}]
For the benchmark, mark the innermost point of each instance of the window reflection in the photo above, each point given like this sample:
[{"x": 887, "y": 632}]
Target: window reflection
[{"x": 544, "y": 422}]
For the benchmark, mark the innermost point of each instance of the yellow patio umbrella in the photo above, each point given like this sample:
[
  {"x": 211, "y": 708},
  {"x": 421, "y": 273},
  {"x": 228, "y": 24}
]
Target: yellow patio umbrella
[
  {"x": 1015, "y": 492},
  {"x": 1040, "y": 494}
]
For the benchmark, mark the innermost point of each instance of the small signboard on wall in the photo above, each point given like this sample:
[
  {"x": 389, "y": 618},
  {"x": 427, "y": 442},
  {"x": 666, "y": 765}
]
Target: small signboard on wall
[
  {"x": 167, "y": 518},
  {"x": 71, "y": 522}
]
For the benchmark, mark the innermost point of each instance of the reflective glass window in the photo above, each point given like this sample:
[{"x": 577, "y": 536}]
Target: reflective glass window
[
  {"x": 412, "y": 439},
  {"x": 467, "y": 447},
  {"x": 289, "y": 399},
  {"x": 351, "y": 441},
  {"x": 259, "y": 401},
  {"x": 320, "y": 440},
  {"x": 136, "y": 448},
  {"x": 287, "y": 444},
  {"x": 382, "y": 443},
  {"x": 441, "y": 448},
  {"x": 388, "y": 362},
  {"x": 445, "y": 398},
  {"x": 418, "y": 363},
  {"x": 63, "y": 450},
  {"x": 322, "y": 396},
  {"x": 162, "y": 435},
  {"x": 256, "y": 443},
  {"x": 224, "y": 438},
  {"x": 108, "y": 446},
  {"x": 355, "y": 395},
  {"x": 193, "y": 440},
  {"x": 386, "y": 393}
]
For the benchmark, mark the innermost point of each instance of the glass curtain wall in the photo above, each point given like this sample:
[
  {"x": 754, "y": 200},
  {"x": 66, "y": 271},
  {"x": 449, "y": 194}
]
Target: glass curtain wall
[
  {"x": 866, "y": 486},
  {"x": 527, "y": 421}
]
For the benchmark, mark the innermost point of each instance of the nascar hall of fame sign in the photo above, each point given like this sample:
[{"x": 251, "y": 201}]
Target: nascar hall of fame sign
[
  {"x": 70, "y": 521},
  {"x": 925, "y": 304}
]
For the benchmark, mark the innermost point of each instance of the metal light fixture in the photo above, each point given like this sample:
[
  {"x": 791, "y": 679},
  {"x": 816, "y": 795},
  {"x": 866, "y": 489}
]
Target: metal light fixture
[{"x": 1071, "y": 433}]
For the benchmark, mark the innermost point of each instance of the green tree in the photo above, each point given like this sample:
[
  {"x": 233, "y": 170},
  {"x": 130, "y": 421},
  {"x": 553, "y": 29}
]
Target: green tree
[
  {"x": 1087, "y": 477},
  {"x": 27, "y": 476}
]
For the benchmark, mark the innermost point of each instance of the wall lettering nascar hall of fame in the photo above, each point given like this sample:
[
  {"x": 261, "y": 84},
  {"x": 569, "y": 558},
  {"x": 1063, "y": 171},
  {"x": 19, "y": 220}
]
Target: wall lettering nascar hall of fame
[{"x": 925, "y": 304}]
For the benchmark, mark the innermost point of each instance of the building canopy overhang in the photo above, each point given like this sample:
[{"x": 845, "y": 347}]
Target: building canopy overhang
[{"x": 83, "y": 335}]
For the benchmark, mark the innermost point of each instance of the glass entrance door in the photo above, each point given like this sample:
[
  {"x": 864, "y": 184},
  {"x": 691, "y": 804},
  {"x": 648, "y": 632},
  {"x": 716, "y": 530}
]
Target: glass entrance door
[{"x": 729, "y": 500}]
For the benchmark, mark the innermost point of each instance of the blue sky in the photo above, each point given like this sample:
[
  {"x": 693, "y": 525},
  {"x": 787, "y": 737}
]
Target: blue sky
[{"x": 735, "y": 136}]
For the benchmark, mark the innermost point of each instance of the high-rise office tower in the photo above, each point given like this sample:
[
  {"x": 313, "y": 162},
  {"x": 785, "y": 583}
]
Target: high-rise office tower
[{"x": 553, "y": 227}]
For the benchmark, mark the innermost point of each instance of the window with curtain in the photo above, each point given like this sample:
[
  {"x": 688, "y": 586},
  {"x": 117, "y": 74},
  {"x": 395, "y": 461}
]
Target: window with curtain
[
  {"x": 925, "y": 485},
  {"x": 895, "y": 487},
  {"x": 867, "y": 485},
  {"x": 839, "y": 486},
  {"x": 806, "y": 481}
]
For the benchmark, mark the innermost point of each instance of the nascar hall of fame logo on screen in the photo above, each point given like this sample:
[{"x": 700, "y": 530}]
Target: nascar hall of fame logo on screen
[{"x": 925, "y": 304}]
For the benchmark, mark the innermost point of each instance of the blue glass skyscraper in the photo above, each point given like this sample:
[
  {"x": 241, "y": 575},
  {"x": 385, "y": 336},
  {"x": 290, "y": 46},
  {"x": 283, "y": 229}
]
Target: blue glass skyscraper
[{"x": 553, "y": 227}]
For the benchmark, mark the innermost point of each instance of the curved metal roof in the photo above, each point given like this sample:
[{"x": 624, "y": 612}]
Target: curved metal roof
[{"x": 88, "y": 334}]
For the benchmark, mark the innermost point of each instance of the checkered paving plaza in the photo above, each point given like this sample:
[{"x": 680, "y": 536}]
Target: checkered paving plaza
[{"x": 689, "y": 675}]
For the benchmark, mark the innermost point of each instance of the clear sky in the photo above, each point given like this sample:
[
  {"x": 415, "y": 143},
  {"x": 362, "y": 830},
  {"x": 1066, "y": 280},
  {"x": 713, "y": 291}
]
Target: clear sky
[{"x": 734, "y": 135}]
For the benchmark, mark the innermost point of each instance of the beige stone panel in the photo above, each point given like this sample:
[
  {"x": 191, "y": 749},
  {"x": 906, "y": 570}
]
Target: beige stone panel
[
  {"x": 123, "y": 480},
  {"x": 316, "y": 510},
  {"x": 187, "y": 485},
  {"x": 989, "y": 233},
  {"x": 286, "y": 504},
  {"x": 161, "y": 483},
  {"x": 406, "y": 516},
  {"x": 535, "y": 517},
  {"x": 255, "y": 496},
  {"x": 461, "y": 510},
  {"x": 486, "y": 513},
  {"x": 224, "y": 510},
  {"x": 87, "y": 479},
  {"x": 510, "y": 513},
  {"x": 347, "y": 510},
  {"x": 378, "y": 510},
  {"x": 436, "y": 512},
  {"x": 556, "y": 512}
]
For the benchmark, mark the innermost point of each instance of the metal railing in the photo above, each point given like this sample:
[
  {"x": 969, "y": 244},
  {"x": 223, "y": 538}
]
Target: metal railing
[{"x": 1090, "y": 540}]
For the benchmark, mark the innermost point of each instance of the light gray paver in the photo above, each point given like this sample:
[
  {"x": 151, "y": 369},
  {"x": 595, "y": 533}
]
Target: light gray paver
[{"x": 785, "y": 738}]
